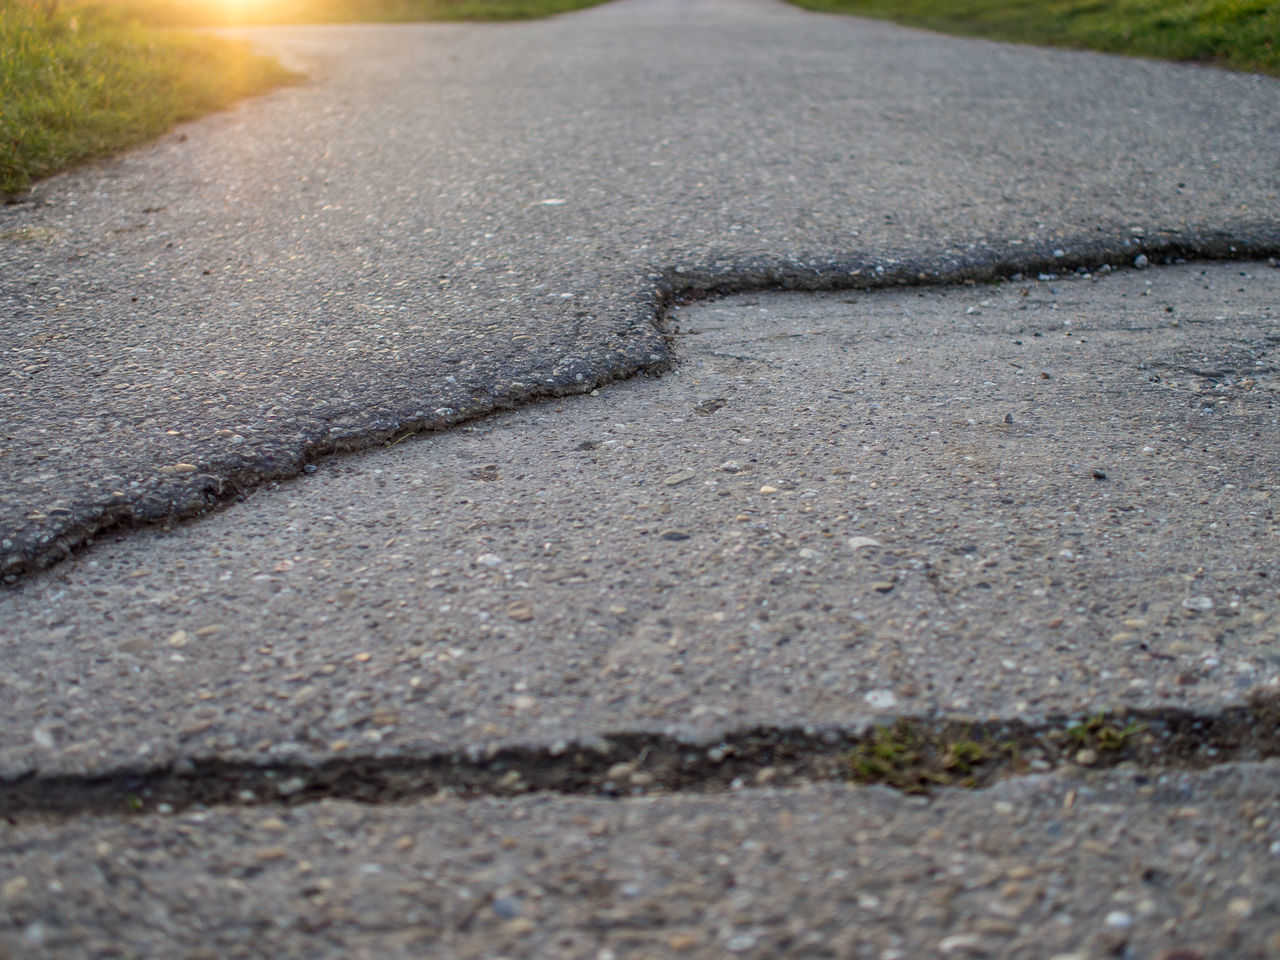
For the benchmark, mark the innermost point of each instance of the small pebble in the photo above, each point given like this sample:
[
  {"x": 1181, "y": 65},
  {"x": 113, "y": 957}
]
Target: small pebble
[
  {"x": 507, "y": 907},
  {"x": 740, "y": 942},
  {"x": 1240, "y": 908},
  {"x": 880, "y": 699},
  {"x": 961, "y": 943},
  {"x": 520, "y": 612}
]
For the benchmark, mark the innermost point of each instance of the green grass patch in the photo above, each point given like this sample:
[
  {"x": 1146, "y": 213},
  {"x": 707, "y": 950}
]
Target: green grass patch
[
  {"x": 81, "y": 83},
  {"x": 1101, "y": 733},
  {"x": 193, "y": 13},
  {"x": 916, "y": 759},
  {"x": 85, "y": 80},
  {"x": 1239, "y": 34}
]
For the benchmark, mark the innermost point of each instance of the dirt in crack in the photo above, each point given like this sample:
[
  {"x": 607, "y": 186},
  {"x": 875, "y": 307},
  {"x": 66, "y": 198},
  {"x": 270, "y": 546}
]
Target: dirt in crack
[{"x": 913, "y": 755}]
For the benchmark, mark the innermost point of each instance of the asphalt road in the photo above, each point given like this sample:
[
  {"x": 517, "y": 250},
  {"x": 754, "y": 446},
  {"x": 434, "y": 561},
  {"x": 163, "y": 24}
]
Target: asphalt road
[
  {"x": 590, "y": 677},
  {"x": 834, "y": 509},
  {"x": 1182, "y": 867},
  {"x": 453, "y": 218}
]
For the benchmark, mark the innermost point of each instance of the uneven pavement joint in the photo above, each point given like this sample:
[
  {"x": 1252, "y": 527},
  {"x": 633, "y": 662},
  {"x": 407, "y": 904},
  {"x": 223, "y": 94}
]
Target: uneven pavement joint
[
  {"x": 915, "y": 755},
  {"x": 210, "y": 486}
]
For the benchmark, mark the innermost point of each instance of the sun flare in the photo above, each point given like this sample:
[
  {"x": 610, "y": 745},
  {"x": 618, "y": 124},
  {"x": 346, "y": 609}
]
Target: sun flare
[{"x": 244, "y": 11}]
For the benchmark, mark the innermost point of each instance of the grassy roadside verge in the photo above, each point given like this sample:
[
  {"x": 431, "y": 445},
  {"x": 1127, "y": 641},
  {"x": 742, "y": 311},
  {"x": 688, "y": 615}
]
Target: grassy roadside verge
[
  {"x": 1238, "y": 34},
  {"x": 191, "y": 13},
  {"x": 83, "y": 83}
]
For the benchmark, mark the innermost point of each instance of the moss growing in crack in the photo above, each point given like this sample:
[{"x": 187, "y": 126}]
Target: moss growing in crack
[
  {"x": 1103, "y": 734},
  {"x": 964, "y": 756},
  {"x": 915, "y": 759}
]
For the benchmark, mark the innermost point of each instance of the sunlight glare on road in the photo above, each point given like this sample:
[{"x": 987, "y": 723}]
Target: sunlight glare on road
[
  {"x": 243, "y": 11},
  {"x": 219, "y": 12}
]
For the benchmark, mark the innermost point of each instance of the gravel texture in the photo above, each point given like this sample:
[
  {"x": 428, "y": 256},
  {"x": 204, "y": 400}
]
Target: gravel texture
[
  {"x": 1126, "y": 864},
  {"x": 451, "y": 218},
  {"x": 1027, "y": 502},
  {"x": 1037, "y": 498}
]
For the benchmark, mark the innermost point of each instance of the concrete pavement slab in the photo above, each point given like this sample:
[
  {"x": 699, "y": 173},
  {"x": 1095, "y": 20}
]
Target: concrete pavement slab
[
  {"x": 451, "y": 219},
  {"x": 1126, "y": 863},
  {"x": 1035, "y": 499},
  {"x": 344, "y": 717}
]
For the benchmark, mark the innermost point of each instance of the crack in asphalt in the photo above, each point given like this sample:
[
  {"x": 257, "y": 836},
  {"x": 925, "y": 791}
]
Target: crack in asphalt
[
  {"x": 209, "y": 486},
  {"x": 915, "y": 755}
]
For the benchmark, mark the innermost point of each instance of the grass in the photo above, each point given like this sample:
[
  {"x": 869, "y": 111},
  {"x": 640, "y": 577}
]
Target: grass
[
  {"x": 203, "y": 13},
  {"x": 914, "y": 759},
  {"x": 1100, "y": 733},
  {"x": 917, "y": 757},
  {"x": 83, "y": 83},
  {"x": 1239, "y": 34}
]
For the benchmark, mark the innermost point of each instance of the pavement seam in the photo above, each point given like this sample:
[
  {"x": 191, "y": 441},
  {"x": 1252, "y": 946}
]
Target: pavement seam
[
  {"x": 207, "y": 487},
  {"x": 910, "y": 754}
]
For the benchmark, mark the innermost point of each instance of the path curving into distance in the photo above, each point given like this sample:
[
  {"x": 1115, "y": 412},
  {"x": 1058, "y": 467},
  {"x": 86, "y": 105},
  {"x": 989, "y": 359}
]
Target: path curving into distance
[{"x": 452, "y": 219}]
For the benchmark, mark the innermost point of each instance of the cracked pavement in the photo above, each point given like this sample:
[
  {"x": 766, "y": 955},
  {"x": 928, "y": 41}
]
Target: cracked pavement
[
  {"x": 1034, "y": 497},
  {"x": 450, "y": 218},
  {"x": 1038, "y": 501},
  {"x": 835, "y": 507}
]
